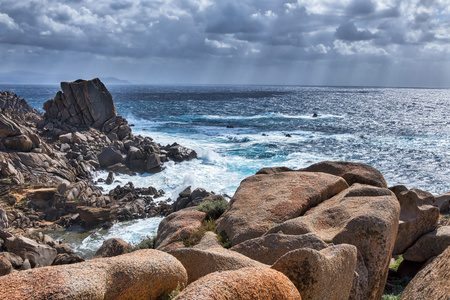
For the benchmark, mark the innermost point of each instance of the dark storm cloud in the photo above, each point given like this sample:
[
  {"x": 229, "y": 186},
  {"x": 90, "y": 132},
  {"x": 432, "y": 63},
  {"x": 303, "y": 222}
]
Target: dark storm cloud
[
  {"x": 246, "y": 31},
  {"x": 349, "y": 32}
]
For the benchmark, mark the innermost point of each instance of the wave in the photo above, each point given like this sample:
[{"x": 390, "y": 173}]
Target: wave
[{"x": 256, "y": 117}]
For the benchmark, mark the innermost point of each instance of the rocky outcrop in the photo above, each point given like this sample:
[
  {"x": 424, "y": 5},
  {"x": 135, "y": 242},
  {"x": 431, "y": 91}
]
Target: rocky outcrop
[
  {"x": 325, "y": 274},
  {"x": 188, "y": 199},
  {"x": 352, "y": 172},
  {"x": 432, "y": 282},
  {"x": 199, "y": 263},
  {"x": 38, "y": 255},
  {"x": 144, "y": 274},
  {"x": 362, "y": 215},
  {"x": 269, "y": 248},
  {"x": 442, "y": 202},
  {"x": 262, "y": 201},
  {"x": 429, "y": 245},
  {"x": 176, "y": 227},
  {"x": 244, "y": 284},
  {"x": 415, "y": 220},
  {"x": 10, "y": 101},
  {"x": 82, "y": 102},
  {"x": 113, "y": 247}
]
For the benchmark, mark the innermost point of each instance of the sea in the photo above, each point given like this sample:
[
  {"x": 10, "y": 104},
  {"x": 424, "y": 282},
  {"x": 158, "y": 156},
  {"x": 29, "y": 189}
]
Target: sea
[{"x": 238, "y": 129}]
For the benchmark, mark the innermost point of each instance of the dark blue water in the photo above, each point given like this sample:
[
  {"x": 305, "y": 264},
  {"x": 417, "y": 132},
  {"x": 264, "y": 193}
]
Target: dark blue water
[{"x": 405, "y": 133}]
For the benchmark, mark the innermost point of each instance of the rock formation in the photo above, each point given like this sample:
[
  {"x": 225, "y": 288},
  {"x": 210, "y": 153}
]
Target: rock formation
[
  {"x": 144, "y": 274},
  {"x": 265, "y": 200}
]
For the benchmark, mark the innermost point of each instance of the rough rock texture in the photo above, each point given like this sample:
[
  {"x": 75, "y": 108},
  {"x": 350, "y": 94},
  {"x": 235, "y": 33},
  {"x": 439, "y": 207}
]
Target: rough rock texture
[
  {"x": 432, "y": 282},
  {"x": 325, "y": 274},
  {"x": 269, "y": 248},
  {"x": 429, "y": 245},
  {"x": 415, "y": 221},
  {"x": 3, "y": 219},
  {"x": 9, "y": 100},
  {"x": 112, "y": 247},
  {"x": 243, "y": 284},
  {"x": 273, "y": 170},
  {"x": 38, "y": 254},
  {"x": 442, "y": 202},
  {"x": 199, "y": 263},
  {"x": 82, "y": 102},
  {"x": 352, "y": 172},
  {"x": 362, "y": 215},
  {"x": 5, "y": 266},
  {"x": 264, "y": 200},
  {"x": 188, "y": 199},
  {"x": 177, "y": 226},
  {"x": 209, "y": 240},
  {"x": 419, "y": 196},
  {"x": 94, "y": 216},
  {"x": 144, "y": 274}
]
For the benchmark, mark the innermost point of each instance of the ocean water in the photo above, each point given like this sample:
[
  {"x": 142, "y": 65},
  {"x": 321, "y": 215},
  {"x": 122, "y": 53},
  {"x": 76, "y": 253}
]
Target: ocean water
[{"x": 405, "y": 133}]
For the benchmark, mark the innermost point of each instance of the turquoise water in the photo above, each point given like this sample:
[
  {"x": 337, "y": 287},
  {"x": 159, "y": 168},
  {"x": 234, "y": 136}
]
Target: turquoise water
[{"x": 405, "y": 133}]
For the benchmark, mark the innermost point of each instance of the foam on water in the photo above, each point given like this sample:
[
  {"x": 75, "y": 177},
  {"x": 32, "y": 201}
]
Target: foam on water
[{"x": 88, "y": 242}]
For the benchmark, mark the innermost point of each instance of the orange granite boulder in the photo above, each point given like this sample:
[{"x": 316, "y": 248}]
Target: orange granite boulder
[
  {"x": 144, "y": 274},
  {"x": 242, "y": 284}
]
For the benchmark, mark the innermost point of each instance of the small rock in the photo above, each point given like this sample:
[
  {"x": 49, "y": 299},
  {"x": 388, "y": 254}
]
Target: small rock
[{"x": 110, "y": 178}]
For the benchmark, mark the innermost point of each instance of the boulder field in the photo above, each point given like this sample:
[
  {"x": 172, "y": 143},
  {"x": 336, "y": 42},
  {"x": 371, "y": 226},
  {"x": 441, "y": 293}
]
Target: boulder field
[{"x": 328, "y": 231}]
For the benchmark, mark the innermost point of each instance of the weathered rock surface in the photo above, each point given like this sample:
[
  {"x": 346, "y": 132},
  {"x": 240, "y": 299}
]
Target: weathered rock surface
[
  {"x": 176, "y": 227},
  {"x": 362, "y": 215},
  {"x": 82, "y": 102},
  {"x": 415, "y": 221},
  {"x": 442, "y": 202},
  {"x": 9, "y": 100},
  {"x": 199, "y": 263},
  {"x": 209, "y": 240},
  {"x": 144, "y": 274},
  {"x": 186, "y": 198},
  {"x": 264, "y": 200},
  {"x": 273, "y": 170},
  {"x": 325, "y": 274},
  {"x": 243, "y": 284},
  {"x": 5, "y": 266},
  {"x": 269, "y": 248},
  {"x": 429, "y": 245},
  {"x": 113, "y": 247},
  {"x": 352, "y": 172},
  {"x": 37, "y": 254},
  {"x": 432, "y": 282}
]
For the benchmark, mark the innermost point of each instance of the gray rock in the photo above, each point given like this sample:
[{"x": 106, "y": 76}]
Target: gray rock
[
  {"x": 5, "y": 266},
  {"x": 37, "y": 254},
  {"x": 110, "y": 178},
  {"x": 109, "y": 156}
]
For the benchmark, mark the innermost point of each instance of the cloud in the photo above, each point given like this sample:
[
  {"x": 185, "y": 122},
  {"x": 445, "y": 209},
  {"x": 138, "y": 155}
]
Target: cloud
[
  {"x": 349, "y": 32},
  {"x": 230, "y": 33}
]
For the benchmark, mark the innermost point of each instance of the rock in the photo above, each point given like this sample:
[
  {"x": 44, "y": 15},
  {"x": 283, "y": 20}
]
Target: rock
[
  {"x": 20, "y": 143},
  {"x": 362, "y": 215},
  {"x": 243, "y": 284},
  {"x": 432, "y": 282},
  {"x": 81, "y": 103},
  {"x": 109, "y": 156},
  {"x": 429, "y": 245},
  {"x": 79, "y": 138},
  {"x": 325, "y": 274},
  {"x": 3, "y": 219},
  {"x": 273, "y": 170},
  {"x": 8, "y": 127},
  {"x": 67, "y": 259},
  {"x": 113, "y": 247},
  {"x": 144, "y": 274},
  {"x": 66, "y": 138},
  {"x": 14, "y": 259},
  {"x": 352, "y": 172},
  {"x": 199, "y": 263},
  {"x": 179, "y": 153},
  {"x": 442, "y": 201},
  {"x": 26, "y": 265},
  {"x": 63, "y": 187},
  {"x": 63, "y": 248},
  {"x": 94, "y": 216},
  {"x": 269, "y": 248},
  {"x": 9, "y": 100},
  {"x": 415, "y": 221},
  {"x": 418, "y": 196},
  {"x": 38, "y": 255},
  {"x": 176, "y": 227},
  {"x": 209, "y": 240},
  {"x": 264, "y": 200},
  {"x": 409, "y": 268},
  {"x": 5, "y": 266},
  {"x": 110, "y": 178}
]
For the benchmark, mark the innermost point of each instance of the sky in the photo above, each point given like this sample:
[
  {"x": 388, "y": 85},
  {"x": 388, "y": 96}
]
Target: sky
[{"x": 302, "y": 42}]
